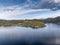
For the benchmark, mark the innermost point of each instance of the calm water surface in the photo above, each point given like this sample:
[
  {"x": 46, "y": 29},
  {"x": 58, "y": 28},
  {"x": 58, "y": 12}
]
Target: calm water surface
[{"x": 15, "y": 35}]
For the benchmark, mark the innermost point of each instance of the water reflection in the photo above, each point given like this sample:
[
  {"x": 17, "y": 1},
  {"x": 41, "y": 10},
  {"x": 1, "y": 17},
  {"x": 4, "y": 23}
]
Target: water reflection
[{"x": 15, "y": 35}]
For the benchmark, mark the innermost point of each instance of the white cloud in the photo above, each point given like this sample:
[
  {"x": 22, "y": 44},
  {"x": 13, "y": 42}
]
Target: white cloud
[
  {"x": 8, "y": 12},
  {"x": 11, "y": 11},
  {"x": 47, "y": 15},
  {"x": 56, "y": 1}
]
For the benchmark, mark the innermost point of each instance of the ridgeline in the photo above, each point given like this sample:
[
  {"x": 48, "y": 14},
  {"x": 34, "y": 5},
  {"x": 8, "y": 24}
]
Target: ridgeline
[
  {"x": 34, "y": 23},
  {"x": 52, "y": 20}
]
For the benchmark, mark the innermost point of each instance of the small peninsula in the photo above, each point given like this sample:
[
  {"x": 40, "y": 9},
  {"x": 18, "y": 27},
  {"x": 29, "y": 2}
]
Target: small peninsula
[
  {"x": 33, "y": 23},
  {"x": 23, "y": 23}
]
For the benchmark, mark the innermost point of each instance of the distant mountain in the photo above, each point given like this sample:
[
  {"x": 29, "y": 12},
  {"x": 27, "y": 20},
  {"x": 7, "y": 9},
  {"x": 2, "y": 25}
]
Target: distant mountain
[
  {"x": 55, "y": 20},
  {"x": 52, "y": 20}
]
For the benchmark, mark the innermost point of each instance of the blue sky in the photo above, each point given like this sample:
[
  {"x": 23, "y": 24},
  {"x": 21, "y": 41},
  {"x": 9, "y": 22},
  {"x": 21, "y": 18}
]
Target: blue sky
[{"x": 22, "y": 9}]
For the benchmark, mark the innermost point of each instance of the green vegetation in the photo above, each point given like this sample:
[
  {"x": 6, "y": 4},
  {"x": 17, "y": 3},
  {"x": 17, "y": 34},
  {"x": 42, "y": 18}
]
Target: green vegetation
[
  {"x": 55, "y": 20},
  {"x": 34, "y": 23},
  {"x": 26, "y": 23}
]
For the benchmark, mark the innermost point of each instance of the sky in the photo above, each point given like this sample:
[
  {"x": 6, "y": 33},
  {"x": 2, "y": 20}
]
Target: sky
[{"x": 26, "y": 9}]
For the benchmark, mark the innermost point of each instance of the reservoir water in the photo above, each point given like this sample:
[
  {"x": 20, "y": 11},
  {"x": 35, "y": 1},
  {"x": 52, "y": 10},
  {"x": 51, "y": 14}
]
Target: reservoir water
[{"x": 15, "y": 35}]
